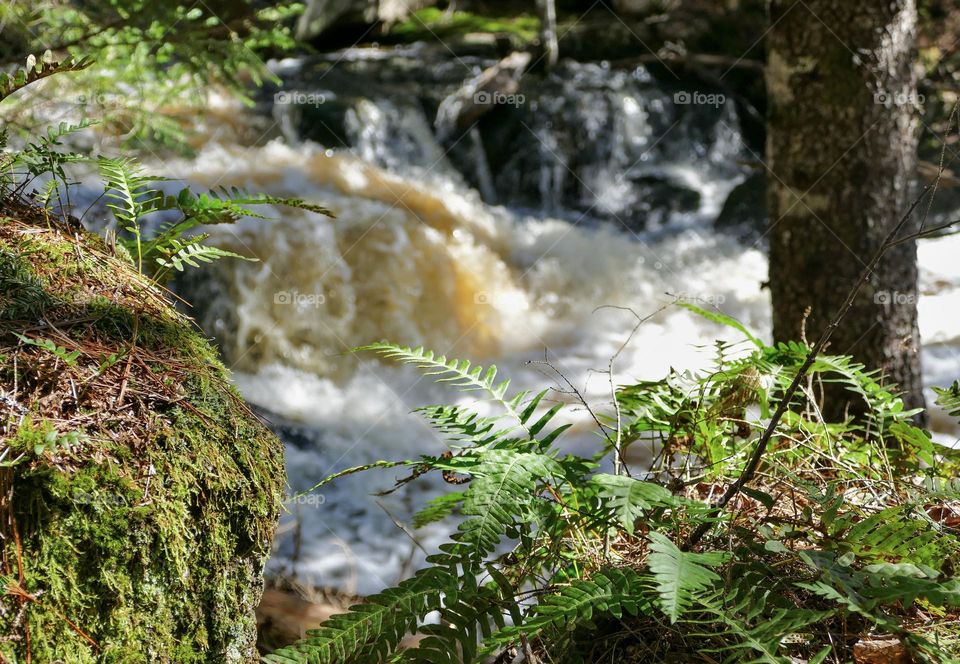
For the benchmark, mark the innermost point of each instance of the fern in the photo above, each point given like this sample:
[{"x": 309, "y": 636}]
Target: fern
[
  {"x": 67, "y": 357},
  {"x": 470, "y": 613},
  {"x": 126, "y": 186},
  {"x": 759, "y": 630},
  {"x": 866, "y": 591},
  {"x": 614, "y": 592},
  {"x": 459, "y": 373},
  {"x": 464, "y": 427},
  {"x": 132, "y": 199},
  {"x": 438, "y": 509},
  {"x": 36, "y": 70},
  {"x": 552, "y": 555},
  {"x": 722, "y": 319},
  {"x": 680, "y": 574},
  {"x": 468, "y": 377},
  {"x": 949, "y": 398},
  {"x": 629, "y": 499},
  {"x": 892, "y": 534},
  {"x": 370, "y": 632},
  {"x": 188, "y": 253},
  {"x": 501, "y": 494}
]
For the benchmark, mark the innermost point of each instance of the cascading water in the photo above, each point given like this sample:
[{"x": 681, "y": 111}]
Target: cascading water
[{"x": 417, "y": 257}]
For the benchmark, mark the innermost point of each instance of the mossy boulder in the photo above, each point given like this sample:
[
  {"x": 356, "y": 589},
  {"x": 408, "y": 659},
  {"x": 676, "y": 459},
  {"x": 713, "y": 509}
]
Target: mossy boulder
[{"x": 138, "y": 494}]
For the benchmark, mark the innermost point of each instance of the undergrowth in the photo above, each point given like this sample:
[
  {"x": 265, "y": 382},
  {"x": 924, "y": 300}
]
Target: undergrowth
[
  {"x": 849, "y": 531},
  {"x": 159, "y": 232},
  {"x": 138, "y": 493}
]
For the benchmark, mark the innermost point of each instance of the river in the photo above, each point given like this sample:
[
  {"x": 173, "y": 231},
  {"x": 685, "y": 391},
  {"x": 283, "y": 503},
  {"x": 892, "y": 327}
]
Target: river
[{"x": 600, "y": 188}]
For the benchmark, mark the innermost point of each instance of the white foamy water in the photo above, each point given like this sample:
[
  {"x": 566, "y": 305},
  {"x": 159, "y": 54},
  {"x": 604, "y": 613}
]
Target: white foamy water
[{"x": 421, "y": 260}]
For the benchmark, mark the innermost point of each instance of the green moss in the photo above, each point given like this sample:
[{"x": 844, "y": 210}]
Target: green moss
[
  {"x": 150, "y": 535},
  {"x": 432, "y": 23},
  {"x": 21, "y": 293}
]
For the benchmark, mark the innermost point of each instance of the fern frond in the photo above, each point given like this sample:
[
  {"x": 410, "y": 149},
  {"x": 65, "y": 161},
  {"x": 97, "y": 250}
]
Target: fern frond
[
  {"x": 759, "y": 630},
  {"x": 627, "y": 499},
  {"x": 41, "y": 156},
  {"x": 894, "y": 535},
  {"x": 464, "y": 426},
  {"x": 948, "y": 398},
  {"x": 47, "y": 191},
  {"x": 469, "y": 614},
  {"x": 188, "y": 253},
  {"x": 36, "y": 70},
  {"x": 125, "y": 185},
  {"x": 722, "y": 319},
  {"x": 437, "y": 509},
  {"x": 237, "y": 199},
  {"x": 500, "y": 496},
  {"x": 875, "y": 586},
  {"x": 468, "y": 377},
  {"x": 459, "y": 373},
  {"x": 680, "y": 574},
  {"x": 370, "y": 632},
  {"x": 612, "y": 592}
]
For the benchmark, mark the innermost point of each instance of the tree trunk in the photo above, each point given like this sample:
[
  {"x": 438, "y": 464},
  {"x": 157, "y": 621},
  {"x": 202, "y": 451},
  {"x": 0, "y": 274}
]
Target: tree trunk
[
  {"x": 547, "y": 11},
  {"x": 842, "y": 146}
]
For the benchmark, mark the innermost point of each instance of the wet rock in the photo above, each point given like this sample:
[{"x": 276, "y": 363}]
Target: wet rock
[
  {"x": 144, "y": 496},
  {"x": 879, "y": 650},
  {"x": 745, "y": 211},
  {"x": 478, "y": 96}
]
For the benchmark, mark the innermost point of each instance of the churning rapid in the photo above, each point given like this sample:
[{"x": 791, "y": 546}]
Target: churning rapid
[{"x": 601, "y": 208}]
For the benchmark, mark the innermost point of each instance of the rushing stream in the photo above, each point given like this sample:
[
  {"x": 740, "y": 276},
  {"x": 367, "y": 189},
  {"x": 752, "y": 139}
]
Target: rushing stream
[{"x": 541, "y": 230}]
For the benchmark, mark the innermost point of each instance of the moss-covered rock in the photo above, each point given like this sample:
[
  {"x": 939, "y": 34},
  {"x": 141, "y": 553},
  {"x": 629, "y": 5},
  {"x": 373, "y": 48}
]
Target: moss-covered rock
[{"x": 138, "y": 495}]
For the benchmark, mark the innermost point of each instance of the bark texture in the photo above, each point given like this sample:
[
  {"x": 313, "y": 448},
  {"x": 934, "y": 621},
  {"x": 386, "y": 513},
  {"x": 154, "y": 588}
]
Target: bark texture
[{"x": 842, "y": 146}]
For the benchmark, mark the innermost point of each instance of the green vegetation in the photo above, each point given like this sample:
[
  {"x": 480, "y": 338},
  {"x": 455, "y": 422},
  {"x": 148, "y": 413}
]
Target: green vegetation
[
  {"x": 848, "y": 529},
  {"x": 140, "y": 495},
  {"x": 432, "y": 23},
  {"x": 155, "y": 61},
  {"x": 144, "y": 494},
  {"x": 176, "y": 243},
  {"x": 131, "y": 198}
]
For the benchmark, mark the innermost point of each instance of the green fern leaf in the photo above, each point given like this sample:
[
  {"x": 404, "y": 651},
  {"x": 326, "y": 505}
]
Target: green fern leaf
[
  {"x": 499, "y": 496},
  {"x": 188, "y": 253},
  {"x": 613, "y": 592},
  {"x": 680, "y": 574},
  {"x": 757, "y": 631},
  {"x": 723, "y": 319},
  {"x": 36, "y": 70},
  {"x": 468, "y": 377},
  {"x": 463, "y": 426},
  {"x": 370, "y": 632},
  {"x": 948, "y": 398},
  {"x": 437, "y": 509},
  {"x": 627, "y": 499}
]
